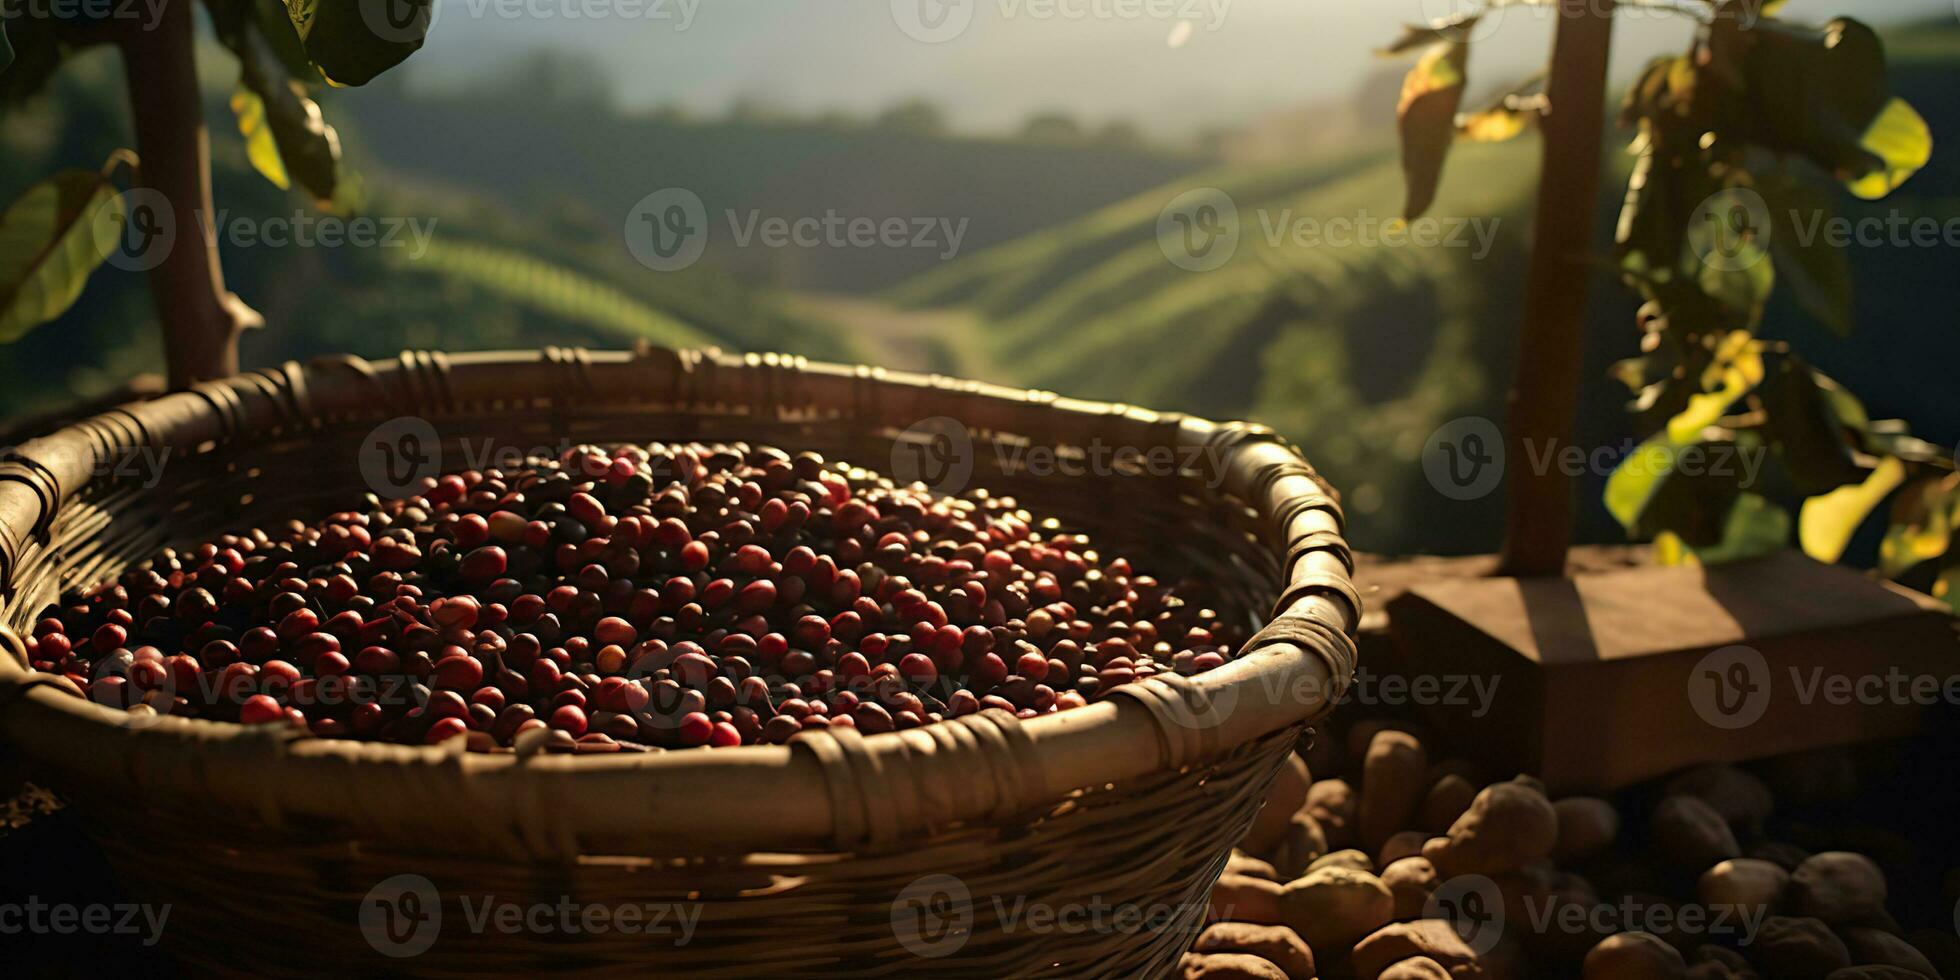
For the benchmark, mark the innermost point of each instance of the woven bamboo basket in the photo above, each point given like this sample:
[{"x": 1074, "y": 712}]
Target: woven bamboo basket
[{"x": 1082, "y": 843}]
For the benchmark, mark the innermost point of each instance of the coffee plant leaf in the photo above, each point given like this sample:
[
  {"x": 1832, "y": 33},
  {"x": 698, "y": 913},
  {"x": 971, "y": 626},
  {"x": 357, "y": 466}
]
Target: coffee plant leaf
[
  {"x": 352, "y": 41},
  {"x": 49, "y": 244},
  {"x": 1827, "y": 521},
  {"x": 1817, "y": 429},
  {"x": 261, "y": 149},
  {"x": 286, "y": 138},
  {"x": 1923, "y": 517},
  {"x": 1947, "y": 587},
  {"x": 1817, "y": 92},
  {"x": 1495, "y": 125},
  {"x": 1647, "y": 493},
  {"x": 1900, "y": 139},
  {"x": 1754, "y": 527},
  {"x": 30, "y": 57},
  {"x": 1431, "y": 95},
  {"x": 1817, "y": 274}
]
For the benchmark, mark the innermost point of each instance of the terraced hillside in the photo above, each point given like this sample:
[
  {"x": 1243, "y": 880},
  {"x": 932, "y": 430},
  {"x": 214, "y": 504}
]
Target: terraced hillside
[{"x": 1356, "y": 348}]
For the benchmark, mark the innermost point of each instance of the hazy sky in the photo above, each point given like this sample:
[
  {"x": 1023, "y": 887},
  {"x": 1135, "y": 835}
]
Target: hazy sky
[{"x": 1096, "y": 59}]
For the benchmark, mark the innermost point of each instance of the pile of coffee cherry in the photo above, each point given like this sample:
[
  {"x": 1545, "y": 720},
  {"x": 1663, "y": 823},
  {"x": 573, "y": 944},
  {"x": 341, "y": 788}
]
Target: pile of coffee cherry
[{"x": 632, "y": 599}]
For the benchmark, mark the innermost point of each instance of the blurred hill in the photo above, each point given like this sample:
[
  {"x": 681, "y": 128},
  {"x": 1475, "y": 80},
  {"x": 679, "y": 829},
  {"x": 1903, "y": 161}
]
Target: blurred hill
[{"x": 585, "y": 165}]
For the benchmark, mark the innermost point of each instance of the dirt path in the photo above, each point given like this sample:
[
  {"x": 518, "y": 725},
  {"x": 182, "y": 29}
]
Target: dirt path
[{"x": 945, "y": 341}]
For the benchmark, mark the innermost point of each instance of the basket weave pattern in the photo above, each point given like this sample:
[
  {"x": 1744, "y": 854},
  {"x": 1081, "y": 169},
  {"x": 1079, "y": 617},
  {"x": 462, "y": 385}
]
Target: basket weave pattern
[{"x": 797, "y": 859}]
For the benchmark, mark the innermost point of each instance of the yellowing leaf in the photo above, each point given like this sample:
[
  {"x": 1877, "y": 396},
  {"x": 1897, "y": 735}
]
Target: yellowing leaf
[
  {"x": 260, "y": 146},
  {"x": 1492, "y": 125},
  {"x": 1922, "y": 525},
  {"x": 1947, "y": 587},
  {"x": 1639, "y": 477},
  {"x": 1827, "y": 521},
  {"x": 1901, "y": 139},
  {"x": 1431, "y": 94},
  {"x": 1669, "y": 549},
  {"x": 1738, "y": 365}
]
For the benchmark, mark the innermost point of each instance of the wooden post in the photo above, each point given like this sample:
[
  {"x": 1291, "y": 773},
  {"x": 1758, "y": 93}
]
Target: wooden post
[
  {"x": 201, "y": 321},
  {"x": 1544, "y": 398}
]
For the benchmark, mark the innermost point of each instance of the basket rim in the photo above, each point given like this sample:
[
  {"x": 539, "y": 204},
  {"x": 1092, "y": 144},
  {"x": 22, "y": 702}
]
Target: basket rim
[{"x": 832, "y": 789}]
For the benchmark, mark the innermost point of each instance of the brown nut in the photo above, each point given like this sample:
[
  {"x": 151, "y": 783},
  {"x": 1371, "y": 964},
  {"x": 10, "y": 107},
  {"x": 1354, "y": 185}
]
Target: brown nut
[
  {"x": 1411, "y": 880},
  {"x": 1241, "y": 863},
  {"x": 1229, "y": 966},
  {"x": 1690, "y": 837},
  {"x": 1276, "y": 944},
  {"x": 1507, "y": 826},
  {"x": 1284, "y": 798},
  {"x": 1302, "y": 845},
  {"x": 1332, "y": 803},
  {"x": 1876, "y": 947},
  {"x": 1743, "y": 887},
  {"x": 1742, "y": 799},
  {"x": 1334, "y": 907},
  {"x": 1408, "y": 843},
  {"x": 1799, "y": 949},
  {"x": 1634, "y": 956},
  {"x": 1431, "y": 938},
  {"x": 1420, "y": 968},
  {"x": 1392, "y": 785},
  {"x": 1350, "y": 858},
  {"x": 1243, "y": 898},
  {"x": 1445, "y": 801},
  {"x": 1942, "y": 946},
  {"x": 1838, "y": 887},
  {"x": 1586, "y": 826}
]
